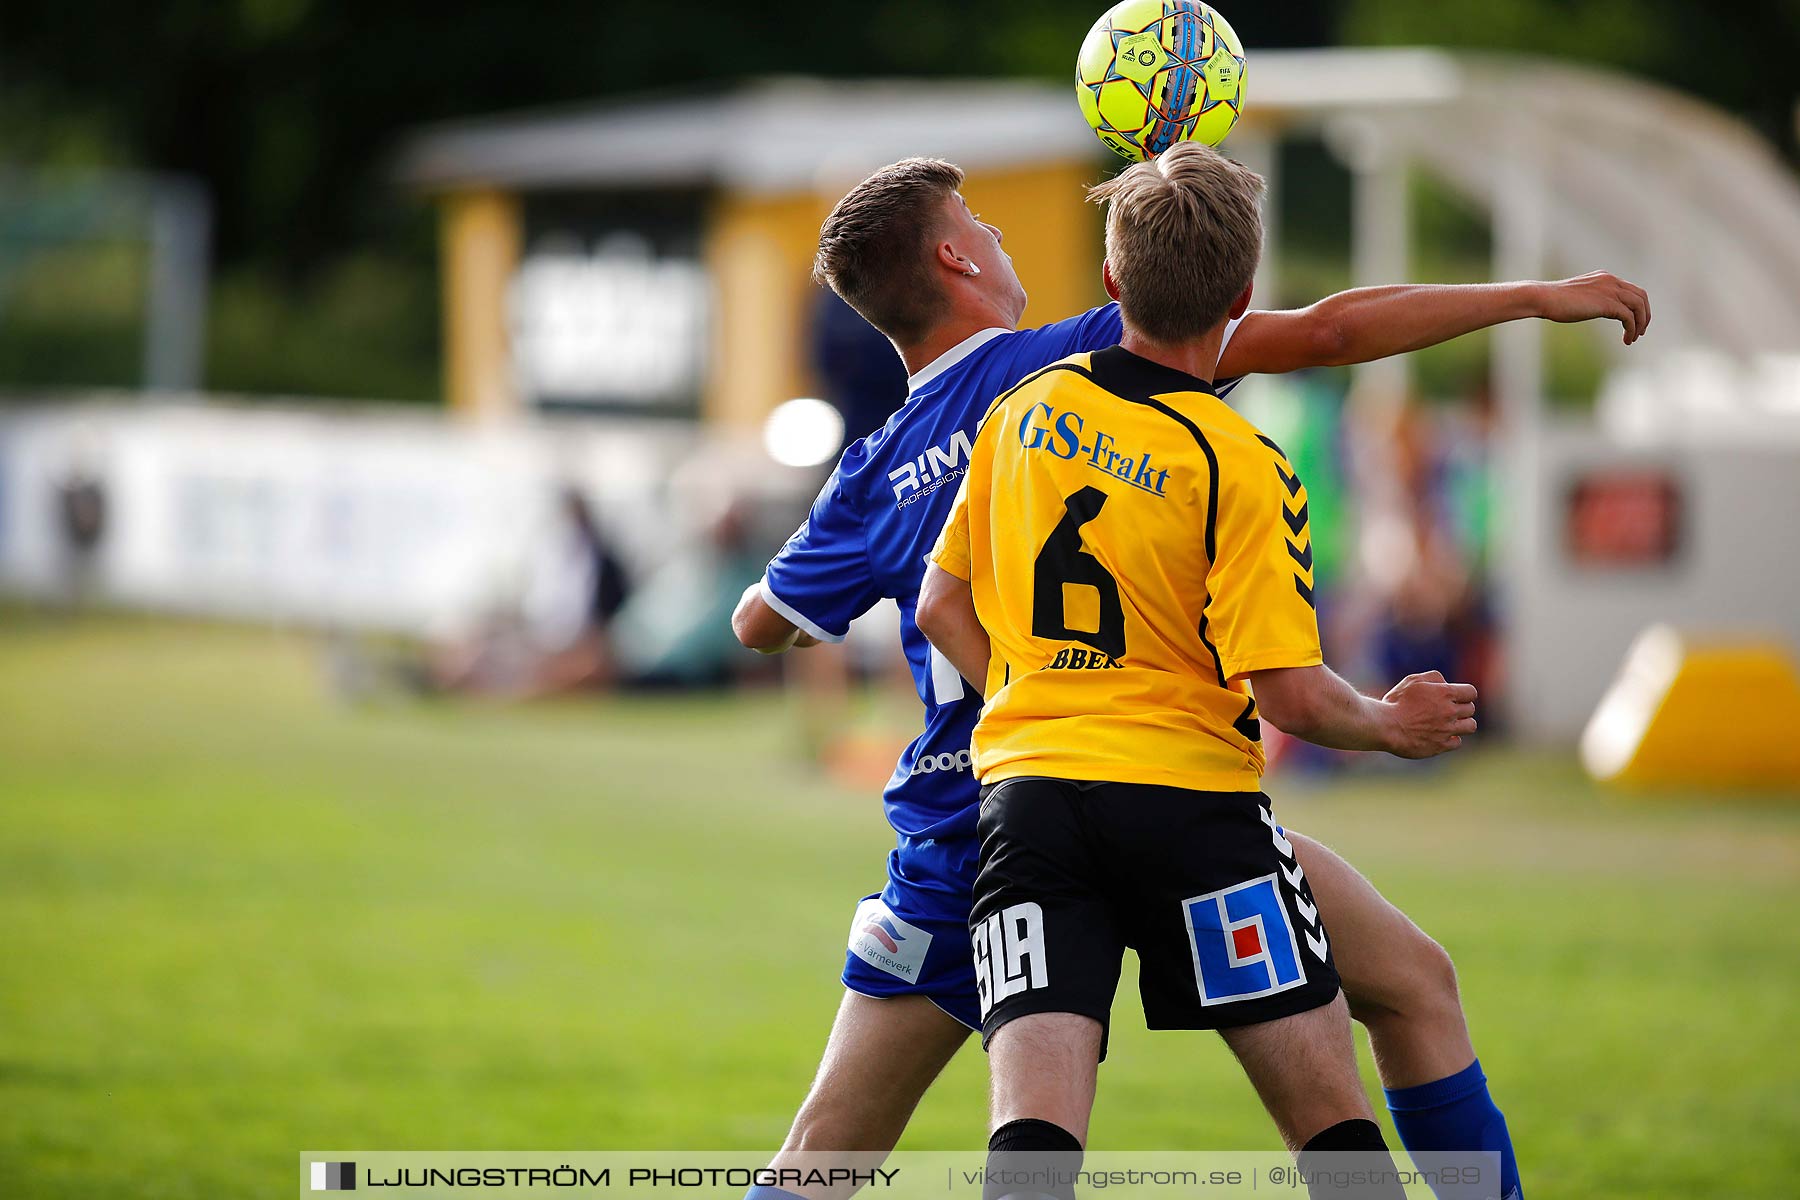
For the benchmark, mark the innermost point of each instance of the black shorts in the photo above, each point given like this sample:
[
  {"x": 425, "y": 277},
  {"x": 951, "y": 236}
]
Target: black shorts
[{"x": 1201, "y": 884}]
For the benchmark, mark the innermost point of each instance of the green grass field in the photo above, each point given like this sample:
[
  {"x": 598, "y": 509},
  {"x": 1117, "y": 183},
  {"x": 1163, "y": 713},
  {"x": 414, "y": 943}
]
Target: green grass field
[{"x": 241, "y": 920}]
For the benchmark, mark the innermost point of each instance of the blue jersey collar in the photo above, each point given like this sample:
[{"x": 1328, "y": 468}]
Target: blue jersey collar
[{"x": 951, "y": 357}]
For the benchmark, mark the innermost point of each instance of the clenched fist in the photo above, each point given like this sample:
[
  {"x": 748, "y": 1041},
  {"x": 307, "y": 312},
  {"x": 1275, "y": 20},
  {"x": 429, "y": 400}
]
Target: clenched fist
[{"x": 1427, "y": 716}]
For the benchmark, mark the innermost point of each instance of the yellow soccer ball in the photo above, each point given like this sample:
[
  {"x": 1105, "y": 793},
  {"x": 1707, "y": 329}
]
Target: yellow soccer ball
[{"x": 1155, "y": 72}]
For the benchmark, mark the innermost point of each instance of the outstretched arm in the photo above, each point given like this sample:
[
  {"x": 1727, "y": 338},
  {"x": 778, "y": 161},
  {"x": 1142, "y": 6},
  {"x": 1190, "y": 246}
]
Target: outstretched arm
[{"x": 1365, "y": 324}]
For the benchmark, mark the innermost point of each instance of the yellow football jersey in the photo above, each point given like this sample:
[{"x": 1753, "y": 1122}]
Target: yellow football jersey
[{"x": 1134, "y": 547}]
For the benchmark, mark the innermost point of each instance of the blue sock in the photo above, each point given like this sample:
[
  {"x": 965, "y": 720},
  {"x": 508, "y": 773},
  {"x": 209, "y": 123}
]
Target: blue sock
[
  {"x": 1455, "y": 1113},
  {"x": 759, "y": 1192}
]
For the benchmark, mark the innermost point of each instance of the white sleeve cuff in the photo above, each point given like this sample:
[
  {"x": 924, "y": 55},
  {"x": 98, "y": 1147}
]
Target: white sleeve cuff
[
  {"x": 804, "y": 624},
  {"x": 1223, "y": 387},
  {"x": 1230, "y": 328}
]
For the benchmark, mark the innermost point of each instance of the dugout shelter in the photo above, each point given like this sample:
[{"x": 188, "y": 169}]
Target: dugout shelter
[{"x": 654, "y": 256}]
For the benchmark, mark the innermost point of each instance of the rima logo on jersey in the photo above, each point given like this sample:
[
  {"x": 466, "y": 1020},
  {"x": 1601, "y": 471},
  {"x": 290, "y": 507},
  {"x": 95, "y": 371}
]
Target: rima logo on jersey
[
  {"x": 1064, "y": 435},
  {"x": 915, "y": 480},
  {"x": 1009, "y": 953}
]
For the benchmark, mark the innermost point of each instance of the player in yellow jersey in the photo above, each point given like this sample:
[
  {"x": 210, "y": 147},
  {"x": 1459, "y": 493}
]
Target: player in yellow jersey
[{"x": 1129, "y": 568}]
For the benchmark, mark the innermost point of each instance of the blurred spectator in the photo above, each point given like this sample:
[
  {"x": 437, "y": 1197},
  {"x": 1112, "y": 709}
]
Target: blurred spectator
[
  {"x": 859, "y": 371},
  {"x": 1402, "y": 531},
  {"x": 1415, "y": 565},
  {"x": 576, "y": 586},
  {"x": 81, "y": 510},
  {"x": 561, "y": 640},
  {"x": 1467, "y": 469},
  {"x": 676, "y": 630}
]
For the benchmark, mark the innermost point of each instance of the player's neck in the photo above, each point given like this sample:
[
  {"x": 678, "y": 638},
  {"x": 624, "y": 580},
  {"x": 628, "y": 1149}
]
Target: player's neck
[
  {"x": 1198, "y": 357},
  {"x": 950, "y": 334}
]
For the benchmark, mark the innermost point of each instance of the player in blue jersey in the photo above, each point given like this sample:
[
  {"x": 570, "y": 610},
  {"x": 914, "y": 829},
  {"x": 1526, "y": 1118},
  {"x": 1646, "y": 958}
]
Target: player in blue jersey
[{"x": 905, "y": 251}]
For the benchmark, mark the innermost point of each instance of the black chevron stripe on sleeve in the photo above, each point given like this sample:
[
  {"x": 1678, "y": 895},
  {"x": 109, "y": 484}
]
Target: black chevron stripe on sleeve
[{"x": 1296, "y": 522}]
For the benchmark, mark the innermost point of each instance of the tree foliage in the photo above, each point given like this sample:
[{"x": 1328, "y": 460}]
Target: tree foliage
[{"x": 290, "y": 111}]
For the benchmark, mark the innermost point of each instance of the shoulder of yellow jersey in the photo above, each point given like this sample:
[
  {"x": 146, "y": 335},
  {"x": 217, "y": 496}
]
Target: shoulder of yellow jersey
[{"x": 1228, "y": 425}]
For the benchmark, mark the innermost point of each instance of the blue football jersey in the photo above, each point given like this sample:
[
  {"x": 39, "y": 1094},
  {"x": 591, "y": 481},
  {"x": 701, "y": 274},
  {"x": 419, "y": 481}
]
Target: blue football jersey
[{"x": 875, "y": 521}]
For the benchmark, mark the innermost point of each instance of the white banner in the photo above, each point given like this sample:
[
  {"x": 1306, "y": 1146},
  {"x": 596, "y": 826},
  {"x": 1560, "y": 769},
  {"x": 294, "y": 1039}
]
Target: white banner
[{"x": 392, "y": 520}]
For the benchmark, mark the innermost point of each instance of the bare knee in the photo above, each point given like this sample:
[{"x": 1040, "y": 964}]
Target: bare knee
[
  {"x": 1419, "y": 984},
  {"x": 1430, "y": 977},
  {"x": 1304, "y": 1069},
  {"x": 819, "y": 1126},
  {"x": 829, "y": 1123},
  {"x": 882, "y": 1056}
]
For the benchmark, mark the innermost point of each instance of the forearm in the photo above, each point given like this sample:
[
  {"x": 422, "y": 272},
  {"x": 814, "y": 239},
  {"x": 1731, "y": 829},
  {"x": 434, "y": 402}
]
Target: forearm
[
  {"x": 946, "y": 616},
  {"x": 1317, "y": 705},
  {"x": 760, "y": 628},
  {"x": 966, "y": 646},
  {"x": 1366, "y": 324},
  {"x": 1422, "y": 715}
]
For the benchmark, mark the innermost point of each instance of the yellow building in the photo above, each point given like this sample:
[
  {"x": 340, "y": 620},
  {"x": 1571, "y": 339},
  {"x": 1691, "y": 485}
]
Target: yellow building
[{"x": 654, "y": 257}]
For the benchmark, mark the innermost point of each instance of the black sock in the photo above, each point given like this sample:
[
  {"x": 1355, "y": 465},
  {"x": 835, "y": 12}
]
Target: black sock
[
  {"x": 1364, "y": 1177},
  {"x": 1029, "y": 1159}
]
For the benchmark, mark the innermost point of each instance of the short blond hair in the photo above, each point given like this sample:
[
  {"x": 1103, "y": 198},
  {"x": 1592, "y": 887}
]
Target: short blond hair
[
  {"x": 1183, "y": 237},
  {"x": 875, "y": 247}
]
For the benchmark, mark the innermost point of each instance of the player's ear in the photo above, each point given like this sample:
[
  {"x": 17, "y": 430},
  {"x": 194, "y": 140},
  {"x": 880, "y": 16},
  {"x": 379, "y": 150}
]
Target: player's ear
[
  {"x": 1241, "y": 305},
  {"x": 950, "y": 260},
  {"x": 1112, "y": 286}
]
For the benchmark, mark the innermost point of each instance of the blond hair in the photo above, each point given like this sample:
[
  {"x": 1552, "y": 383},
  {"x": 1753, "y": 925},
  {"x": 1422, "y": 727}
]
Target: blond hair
[
  {"x": 875, "y": 247},
  {"x": 1183, "y": 237}
]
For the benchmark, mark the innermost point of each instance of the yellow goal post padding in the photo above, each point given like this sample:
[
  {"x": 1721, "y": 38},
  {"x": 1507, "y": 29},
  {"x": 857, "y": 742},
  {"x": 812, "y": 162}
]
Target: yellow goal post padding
[{"x": 1690, "y": 712}]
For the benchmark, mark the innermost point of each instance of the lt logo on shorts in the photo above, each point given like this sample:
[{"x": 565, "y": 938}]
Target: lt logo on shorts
[{"x": 1243, "y": 944}]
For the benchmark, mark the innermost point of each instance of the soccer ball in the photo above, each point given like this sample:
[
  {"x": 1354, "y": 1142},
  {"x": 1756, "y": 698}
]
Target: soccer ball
[{"x": 1155, "y": 72}]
